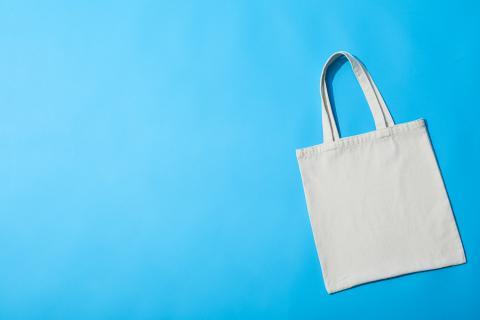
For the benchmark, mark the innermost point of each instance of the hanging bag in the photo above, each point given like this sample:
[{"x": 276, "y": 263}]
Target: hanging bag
[{"x": 376, "y": 201}]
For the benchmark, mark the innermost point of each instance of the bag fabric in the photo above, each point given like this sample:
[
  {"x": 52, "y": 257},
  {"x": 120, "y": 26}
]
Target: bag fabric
[{"x": 376, "y": 201}]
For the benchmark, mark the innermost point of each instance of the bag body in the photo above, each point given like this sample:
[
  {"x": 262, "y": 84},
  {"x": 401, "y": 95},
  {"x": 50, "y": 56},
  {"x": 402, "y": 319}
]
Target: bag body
[{"x": 376, "y": 201}]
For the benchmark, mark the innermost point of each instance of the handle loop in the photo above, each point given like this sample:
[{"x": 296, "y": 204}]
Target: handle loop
[{"x": 377, "y": 105}]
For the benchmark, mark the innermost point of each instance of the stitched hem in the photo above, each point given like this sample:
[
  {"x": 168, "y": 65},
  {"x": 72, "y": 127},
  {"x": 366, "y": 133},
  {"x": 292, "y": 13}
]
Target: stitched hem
[{"x": 360, "y": 138}]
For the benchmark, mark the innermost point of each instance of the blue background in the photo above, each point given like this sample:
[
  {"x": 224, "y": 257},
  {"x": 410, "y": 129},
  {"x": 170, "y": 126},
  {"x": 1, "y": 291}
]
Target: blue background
[{"x": 147, "y": 153}]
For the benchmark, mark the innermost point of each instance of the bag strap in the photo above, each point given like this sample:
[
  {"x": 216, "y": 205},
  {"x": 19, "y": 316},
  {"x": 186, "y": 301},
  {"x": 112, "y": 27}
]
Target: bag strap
[{"x": 379, "y": 109}]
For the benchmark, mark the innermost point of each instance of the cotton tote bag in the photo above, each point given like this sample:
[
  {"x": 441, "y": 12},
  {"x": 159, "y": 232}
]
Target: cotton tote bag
[{"x": 376, "y": 201}]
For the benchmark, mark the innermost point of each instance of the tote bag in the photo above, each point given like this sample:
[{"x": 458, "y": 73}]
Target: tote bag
[{"x": 376, "y": 201}]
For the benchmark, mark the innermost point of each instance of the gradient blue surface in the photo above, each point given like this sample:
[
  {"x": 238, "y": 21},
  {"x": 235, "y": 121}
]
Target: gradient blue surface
[{"x": 148, "y": 166}]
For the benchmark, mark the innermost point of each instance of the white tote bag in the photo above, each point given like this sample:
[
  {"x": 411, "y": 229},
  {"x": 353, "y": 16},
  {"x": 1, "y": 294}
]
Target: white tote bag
[{"x": 376, "y": 201}]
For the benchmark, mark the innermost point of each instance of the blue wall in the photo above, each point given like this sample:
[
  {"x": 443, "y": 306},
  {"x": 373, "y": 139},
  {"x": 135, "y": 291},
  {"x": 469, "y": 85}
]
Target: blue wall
[{"x": 147, "y": 153}]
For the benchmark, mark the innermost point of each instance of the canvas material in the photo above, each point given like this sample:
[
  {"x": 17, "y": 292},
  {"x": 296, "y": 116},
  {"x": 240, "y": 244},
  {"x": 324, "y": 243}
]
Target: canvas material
[{"x": 376, "y": 201}]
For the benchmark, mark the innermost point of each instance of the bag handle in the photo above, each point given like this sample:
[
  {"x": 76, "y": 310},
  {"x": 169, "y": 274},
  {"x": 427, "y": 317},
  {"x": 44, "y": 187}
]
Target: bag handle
[{"x": 379, "y": 109}]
